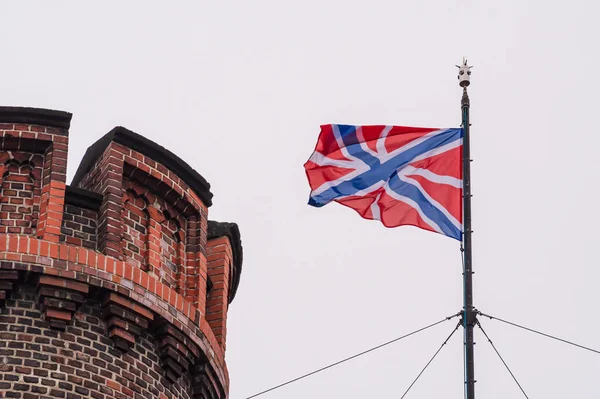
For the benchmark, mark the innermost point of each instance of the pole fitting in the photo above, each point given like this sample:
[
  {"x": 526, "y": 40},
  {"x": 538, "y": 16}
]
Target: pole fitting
[
  {"x": 464, "y": 74},
  {"x": 464, "y": 80},
  {"x": 465, "y": 99},
  {"x": 470, "y": 316}
]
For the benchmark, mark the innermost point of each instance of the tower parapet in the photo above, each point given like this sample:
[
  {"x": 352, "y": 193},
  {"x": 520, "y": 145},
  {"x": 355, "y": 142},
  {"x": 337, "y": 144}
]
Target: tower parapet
[{"x": 122, "y": 268}]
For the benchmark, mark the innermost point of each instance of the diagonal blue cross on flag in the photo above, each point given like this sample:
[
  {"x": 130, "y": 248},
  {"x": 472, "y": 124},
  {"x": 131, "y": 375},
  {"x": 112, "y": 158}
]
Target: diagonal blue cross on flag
[{"x": 398, "y": 175}]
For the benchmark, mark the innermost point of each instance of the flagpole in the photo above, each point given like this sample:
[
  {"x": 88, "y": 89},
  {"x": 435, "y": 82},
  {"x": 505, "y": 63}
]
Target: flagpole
[{"x": 469, "y": 313}]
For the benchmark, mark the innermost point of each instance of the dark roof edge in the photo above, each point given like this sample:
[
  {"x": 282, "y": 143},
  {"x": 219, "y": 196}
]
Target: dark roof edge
[
  {"x": 91, "y": 156},
  {"x": 152, "y": 150},
  {"x": 36, "y": 116},
  {"x": 82, "y": 198},
  {"x": 231, "y": 231}
]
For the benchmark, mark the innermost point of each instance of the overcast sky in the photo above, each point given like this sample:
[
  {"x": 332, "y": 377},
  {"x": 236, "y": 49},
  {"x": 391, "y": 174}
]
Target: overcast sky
[{"x": 238, "y": 89}]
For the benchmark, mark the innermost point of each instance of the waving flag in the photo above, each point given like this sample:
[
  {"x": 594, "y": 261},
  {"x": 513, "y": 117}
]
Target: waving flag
[{"x": 398, "y": 175}]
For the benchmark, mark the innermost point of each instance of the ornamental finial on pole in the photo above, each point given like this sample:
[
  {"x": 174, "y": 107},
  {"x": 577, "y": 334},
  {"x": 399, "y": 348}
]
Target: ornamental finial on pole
[{"x": 464, "y": 74}]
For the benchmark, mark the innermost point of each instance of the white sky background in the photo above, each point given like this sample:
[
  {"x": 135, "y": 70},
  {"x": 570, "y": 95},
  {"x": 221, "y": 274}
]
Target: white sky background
[{"x": 238, "y": 89}]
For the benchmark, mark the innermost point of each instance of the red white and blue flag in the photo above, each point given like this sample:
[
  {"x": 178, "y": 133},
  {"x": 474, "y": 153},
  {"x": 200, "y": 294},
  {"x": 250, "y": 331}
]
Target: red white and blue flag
[{"x": 398, "y": 175}]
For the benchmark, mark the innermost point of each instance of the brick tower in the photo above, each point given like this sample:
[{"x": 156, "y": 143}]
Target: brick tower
[{"x": 118, "y": 285}]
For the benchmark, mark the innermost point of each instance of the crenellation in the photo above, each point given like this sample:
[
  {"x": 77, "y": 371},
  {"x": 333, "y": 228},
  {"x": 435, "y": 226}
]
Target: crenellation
[{"x": 105, "y": 282}]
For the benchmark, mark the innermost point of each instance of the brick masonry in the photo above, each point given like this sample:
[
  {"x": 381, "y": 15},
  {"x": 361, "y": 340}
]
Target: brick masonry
[
  {"x": 219, "y": 264},
  {"x": 79, "y": 226},
  {"x": 80, "y": 362},
  {"x": 109, "y": 288},
  {"x": 20, "y": 192}
]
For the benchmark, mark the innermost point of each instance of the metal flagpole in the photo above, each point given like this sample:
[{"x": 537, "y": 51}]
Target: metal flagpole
[{"x": 469, "y": 313}]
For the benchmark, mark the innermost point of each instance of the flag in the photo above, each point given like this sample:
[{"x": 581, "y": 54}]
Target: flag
[{"x": 395, "y": 174}]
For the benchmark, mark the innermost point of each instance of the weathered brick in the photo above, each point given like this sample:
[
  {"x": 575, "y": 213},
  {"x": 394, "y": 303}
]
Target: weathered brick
[
  {"x": 102, "y": 369},
  {"x": 143, "y": 239}
]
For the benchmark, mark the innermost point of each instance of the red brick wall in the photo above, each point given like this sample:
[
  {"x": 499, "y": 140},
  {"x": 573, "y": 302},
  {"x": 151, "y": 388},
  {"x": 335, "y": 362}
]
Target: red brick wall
[
  {"x": 78, "y": 363},
  {"x": 219, "y": 266},
  {"x": 172, "y": 246},
  {"x": 136, "y": 222},
  {"x": 43, "y": 148},
  {"x": 194, "y": 276},
  {"x": 71, "y": 276},
  {"x": 20, "y": 175},
  {"x": 79, "y": 226},
  {"x": 171, "y": 251},
  {"x": 105, "y": 178},
  {"x": 154, "y": 235},
  {"x": 126, "y": 284}
]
